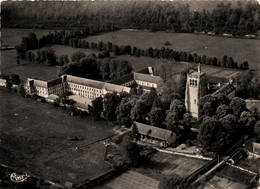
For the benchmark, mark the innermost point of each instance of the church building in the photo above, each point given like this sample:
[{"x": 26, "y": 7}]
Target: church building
[{"x": 195, "y": 89}]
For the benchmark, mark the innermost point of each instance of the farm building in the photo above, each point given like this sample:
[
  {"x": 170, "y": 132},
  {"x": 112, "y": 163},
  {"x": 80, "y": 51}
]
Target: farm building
[{"x": 155, "y": 135}]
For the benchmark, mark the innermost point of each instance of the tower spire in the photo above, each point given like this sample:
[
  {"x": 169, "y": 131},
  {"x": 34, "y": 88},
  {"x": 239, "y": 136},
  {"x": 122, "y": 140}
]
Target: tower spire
[{"x": 199, "y": 69}]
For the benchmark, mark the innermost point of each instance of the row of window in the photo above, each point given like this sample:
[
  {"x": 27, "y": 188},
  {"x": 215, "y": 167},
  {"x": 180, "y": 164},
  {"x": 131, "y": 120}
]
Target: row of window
[
  {"x": 81, "y": 88},
  {"x": 146, "y": 84},
  {"x": 193, "y": 82}
]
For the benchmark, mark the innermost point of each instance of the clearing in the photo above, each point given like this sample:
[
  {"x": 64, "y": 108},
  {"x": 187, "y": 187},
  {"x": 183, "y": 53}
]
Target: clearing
[{"x": 41, "y": 140}]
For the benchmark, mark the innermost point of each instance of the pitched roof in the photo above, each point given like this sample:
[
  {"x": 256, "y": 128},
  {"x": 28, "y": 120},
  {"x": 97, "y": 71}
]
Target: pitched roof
[
  {"x": 226, "y": 89},
  {"x": 97, "y": 84},
  {"x": 40, "y": 83},
  {"x": 147, "y": 78},
  {"x": 148, "y": 70},
  {"x": 84, "y": 81},
  {"x": 54, "y": 82},
  {"x": 118, "y": 88},
  {"x": 124, "y": 79},
  {"x": 155, "y": 132}
]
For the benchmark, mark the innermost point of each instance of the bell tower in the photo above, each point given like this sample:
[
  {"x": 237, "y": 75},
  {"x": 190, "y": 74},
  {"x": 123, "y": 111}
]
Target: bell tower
[{"x": 195, "y": 89}]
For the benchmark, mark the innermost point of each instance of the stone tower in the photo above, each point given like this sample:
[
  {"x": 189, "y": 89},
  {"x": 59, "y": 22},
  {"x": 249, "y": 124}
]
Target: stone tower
[{"x": 195, "y": 89}]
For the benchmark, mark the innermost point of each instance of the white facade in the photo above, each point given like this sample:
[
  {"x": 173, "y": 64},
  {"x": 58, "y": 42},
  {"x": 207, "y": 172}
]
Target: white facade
[
  {"x": 195, "y": 89},
  {"x": 2, "y": 83}
]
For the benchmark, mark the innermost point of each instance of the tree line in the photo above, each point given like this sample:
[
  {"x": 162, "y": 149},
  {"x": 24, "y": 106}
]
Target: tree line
[
  {"x": 72, "y": 39},
  {"x": 239, "y": 19},
  {"x": 93, "y": 68}
]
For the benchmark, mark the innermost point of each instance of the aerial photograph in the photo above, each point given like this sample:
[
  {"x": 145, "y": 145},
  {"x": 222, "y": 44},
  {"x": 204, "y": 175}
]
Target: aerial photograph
[{"x": 130, "y": 94}]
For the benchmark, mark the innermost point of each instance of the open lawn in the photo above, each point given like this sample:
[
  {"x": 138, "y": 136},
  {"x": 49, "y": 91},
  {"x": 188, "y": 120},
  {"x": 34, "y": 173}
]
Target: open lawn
[
  {"x": 239, "y": 49},
  {"x": 41, "y": 140},
  {"x": 26, "y": 68}
]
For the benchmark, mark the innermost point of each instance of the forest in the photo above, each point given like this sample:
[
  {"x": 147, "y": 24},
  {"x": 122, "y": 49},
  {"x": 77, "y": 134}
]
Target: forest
[{"x": 239, "y": 20}]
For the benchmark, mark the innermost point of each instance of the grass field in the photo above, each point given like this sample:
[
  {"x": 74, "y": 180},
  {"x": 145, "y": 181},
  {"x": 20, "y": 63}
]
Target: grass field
[
  {"x": 37, "y": 138},
  {"x": 239, "y": 49},
  {"x": 26, "y": 68},
  {"x": 12, "y": 37}
]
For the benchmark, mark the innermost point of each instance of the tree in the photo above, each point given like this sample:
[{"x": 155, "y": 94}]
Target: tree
[
  {"x": 15, "y": 79},
  {"x": 46, "y": 56},
  {"x": 21, "y": 90},
  {"x": 63, "y": 59},
  {"x": 97, "y": 107},
  {"x": 222, "y": 111},
  {"x": 211, "y": 135},
  {"x": 232, "y": 130},
  {"x": 132, "y": 150},
  {"x": 140, "y": 90},
  {"x": 116, "y": 50},
  {"x": 135, "y": 133},
  {"x": 76, "y": 56},
  {"x": 139, "y": 111},
  {"x": 257, "y": 129},
  {"x": 123, "y": 113},
  {"x": 172, "y": 181},
  {"x": 20, "y": 51},
  {"x": 172, "y": 121},
  {"x": 157, "y": 117},
  {"x": 111, "y": 102},
  {"x": 187, "y": 119},
  {"x": 248, "y": 120},
  {"x": 178, "y": 107},
  {"x": 208, "y": 105},
  {"x": 237, "y": 105}
]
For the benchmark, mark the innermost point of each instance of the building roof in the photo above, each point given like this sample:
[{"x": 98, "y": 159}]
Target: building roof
[
  {"x": 97, "y": 84},
  {"x": 147, "y": 78},
  {"x": 85, "y": 81},
  {"x": 148, "y": 70},
  {"x": 117, "y": 88},
  {"x": 39, "y": 83},
  {"x": 2, "y": 80},
  {"x": 52, "y": 97},
  {"x": 54, "y": 82},
  {"x": 226, "y": 89},
  {"x": 124, "y": 79},
  {"x": 155, "y": 132}
]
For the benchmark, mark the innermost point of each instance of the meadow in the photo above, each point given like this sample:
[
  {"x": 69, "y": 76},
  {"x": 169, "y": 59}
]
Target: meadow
[
  {"x": 239, "y": 49},
  {"x": 41, "y": 140}
]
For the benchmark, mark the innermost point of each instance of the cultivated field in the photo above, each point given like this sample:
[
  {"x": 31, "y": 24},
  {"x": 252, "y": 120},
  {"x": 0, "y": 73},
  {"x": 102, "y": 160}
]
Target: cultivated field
[
  {"x": 41, "y": 140},
  {"x": 239, "y": 49}
]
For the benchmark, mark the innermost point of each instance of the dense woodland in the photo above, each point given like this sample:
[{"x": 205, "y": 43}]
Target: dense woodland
[{"x": 241, "y": 19}]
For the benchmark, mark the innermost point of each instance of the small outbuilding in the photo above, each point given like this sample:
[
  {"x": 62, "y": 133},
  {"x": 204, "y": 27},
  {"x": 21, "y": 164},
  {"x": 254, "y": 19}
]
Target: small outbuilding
[{"x": 155, "y": 135}]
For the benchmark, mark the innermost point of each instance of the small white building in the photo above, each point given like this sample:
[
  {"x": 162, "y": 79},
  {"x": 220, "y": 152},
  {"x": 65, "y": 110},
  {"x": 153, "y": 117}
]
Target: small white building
[{"x": 2, "y": 82}]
